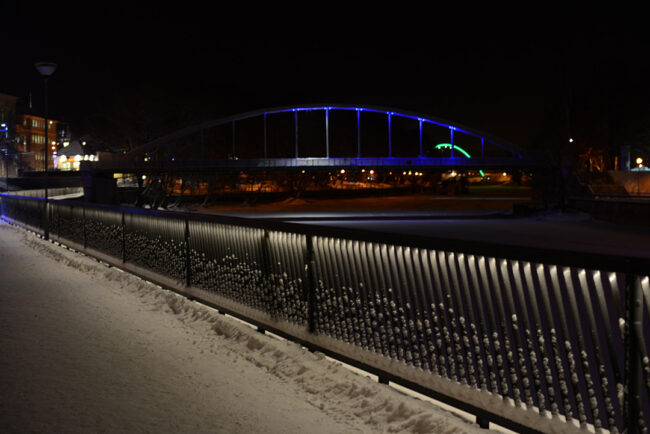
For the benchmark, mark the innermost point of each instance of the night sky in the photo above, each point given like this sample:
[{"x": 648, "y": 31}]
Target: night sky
[{"x": 578, "y": 73}]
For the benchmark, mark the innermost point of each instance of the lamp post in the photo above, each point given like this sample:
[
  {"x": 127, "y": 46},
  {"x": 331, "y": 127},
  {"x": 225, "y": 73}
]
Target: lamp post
[{"x": 46, "y": 69}]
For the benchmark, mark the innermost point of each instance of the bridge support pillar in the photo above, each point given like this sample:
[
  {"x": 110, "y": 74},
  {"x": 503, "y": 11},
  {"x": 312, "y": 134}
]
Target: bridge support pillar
[{"x": 99, "y": 187}]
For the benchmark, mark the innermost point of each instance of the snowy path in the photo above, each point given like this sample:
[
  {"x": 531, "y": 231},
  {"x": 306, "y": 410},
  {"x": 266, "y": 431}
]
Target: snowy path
[{"x": 87, "y": 348}]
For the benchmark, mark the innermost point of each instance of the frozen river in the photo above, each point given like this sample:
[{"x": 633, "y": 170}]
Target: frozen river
[{"x": 568, "y": 231}]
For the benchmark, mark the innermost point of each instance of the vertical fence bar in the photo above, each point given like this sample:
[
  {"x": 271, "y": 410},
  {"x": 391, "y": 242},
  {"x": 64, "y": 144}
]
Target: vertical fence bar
[
  {"x": 310, "y": 283},
  {"x": 83, "y": 219},
  {"x": 46, "y": 223},
  {"x": 548, "y": 338},
  {"x": 123, "y": 238},
  {"x": 633, "y": 335},
  {"x": 430, "y": 327},
  {"x": 58, "y": 222},
  {"x": 598, "y": 347},
  {"x": 443, "y": 312},
  {"x": 581, "y": 364},
  {"x": 188, "y": 268}
]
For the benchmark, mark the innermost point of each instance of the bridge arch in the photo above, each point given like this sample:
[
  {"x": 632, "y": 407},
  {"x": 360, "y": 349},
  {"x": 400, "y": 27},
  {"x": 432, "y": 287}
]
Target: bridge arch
[{"x": 329, "y": 135}]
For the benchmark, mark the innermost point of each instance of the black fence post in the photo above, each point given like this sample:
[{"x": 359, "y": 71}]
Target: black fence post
[
  {"x": 83, "y": 223},
  {"x": 188, "y": 264},
  {"x": 633, "y": 370},
  {"x": 267, "y": 272},
  {"x": 46, "y": 223},
  {"x": 310, "y": 280},
  {"x": 123, "y": 238}
]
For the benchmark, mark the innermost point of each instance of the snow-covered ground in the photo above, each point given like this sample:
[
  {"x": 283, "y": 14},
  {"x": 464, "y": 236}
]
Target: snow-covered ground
[{"x": 88, "y": 348}]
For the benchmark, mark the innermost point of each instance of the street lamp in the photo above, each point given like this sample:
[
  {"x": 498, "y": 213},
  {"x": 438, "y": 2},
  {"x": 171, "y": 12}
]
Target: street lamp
[{"x": 46, "y": 69}]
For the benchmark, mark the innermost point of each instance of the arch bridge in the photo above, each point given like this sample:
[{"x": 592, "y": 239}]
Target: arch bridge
[{"x": 323, "y": 136}]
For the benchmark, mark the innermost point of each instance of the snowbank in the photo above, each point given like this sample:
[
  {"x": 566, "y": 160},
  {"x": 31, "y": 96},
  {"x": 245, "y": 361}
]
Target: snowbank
[{"x": 88, "y": 348}]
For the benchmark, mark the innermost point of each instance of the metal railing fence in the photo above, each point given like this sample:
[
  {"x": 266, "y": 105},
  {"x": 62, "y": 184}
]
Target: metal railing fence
[{"x": 530, "y": 338}]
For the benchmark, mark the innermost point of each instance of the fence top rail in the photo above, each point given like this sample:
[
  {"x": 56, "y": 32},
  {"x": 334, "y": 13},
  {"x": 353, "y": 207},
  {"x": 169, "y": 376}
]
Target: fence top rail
[{"x": 560, "y": 257}]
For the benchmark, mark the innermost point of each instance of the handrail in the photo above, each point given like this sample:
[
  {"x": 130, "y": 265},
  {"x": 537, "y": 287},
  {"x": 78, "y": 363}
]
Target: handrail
[{"x": 563, "y": 257}]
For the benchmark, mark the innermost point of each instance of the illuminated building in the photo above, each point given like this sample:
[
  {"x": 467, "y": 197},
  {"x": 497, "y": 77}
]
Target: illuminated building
[
  {"x": 30, "y": 131},
  {"x": 7, "y": 128},
  {"x": 71, "y": 154}
]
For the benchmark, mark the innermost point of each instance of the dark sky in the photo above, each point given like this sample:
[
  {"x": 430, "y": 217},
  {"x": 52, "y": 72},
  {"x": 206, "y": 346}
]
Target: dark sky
[{"x": 506, "y": 72}]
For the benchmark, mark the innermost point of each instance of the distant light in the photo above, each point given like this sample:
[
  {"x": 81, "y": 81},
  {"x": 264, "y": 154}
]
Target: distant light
[
  {"x": 410, "y": 172},
  {"x": 66, "y": 144},
  {"x": 482, "y": 173},
  {"x": 83, "y": 143},
  {"x": 505, "y": 174},
  {"x": 302, "y": 171},
  {"x": 639, "y": 161},
  {"x": 570, "y": 140},
  {"x": 50, "y": 122},
  {"x": 453, "y": 173},
  {"x": 342, "y": 170},
  {"x": 173, "y": 159},
  {"x": 144, "y": 176},
  {"x": 363, "y": 170},
  {"x": 54, "y": 142},
  {"x": 403, "y": 173},
  {"x": 372, "y": 172}
]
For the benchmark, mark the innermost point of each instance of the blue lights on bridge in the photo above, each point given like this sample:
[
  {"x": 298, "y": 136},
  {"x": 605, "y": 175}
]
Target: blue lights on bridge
[{"x": 371, "y": 110}]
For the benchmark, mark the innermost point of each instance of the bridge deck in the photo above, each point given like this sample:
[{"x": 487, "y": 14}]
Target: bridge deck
[{"x": 321, "y": 163}]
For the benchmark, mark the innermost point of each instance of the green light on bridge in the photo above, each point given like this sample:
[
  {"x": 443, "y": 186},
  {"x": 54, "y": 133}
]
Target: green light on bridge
[
  {"x": 448, "y": 145},
  {"x": 461, "y": 150}
]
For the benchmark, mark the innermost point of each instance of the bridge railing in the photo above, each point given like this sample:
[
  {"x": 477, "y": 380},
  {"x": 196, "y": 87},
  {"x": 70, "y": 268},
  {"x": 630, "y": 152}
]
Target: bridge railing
[{"x": 533, "y": 339}]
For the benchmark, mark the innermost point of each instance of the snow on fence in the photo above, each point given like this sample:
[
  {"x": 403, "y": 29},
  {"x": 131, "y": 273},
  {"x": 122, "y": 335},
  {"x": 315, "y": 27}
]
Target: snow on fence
[{"x": 532, "y": 339}]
